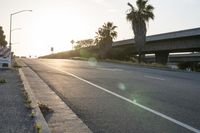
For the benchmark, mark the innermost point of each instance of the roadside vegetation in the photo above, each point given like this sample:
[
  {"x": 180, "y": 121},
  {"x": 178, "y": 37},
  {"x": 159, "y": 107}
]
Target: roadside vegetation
[
  {"x": 139, "y": 16},
  {"x": 189, "y": 66},
  {"x": 3, "y": 41},
  {"x": 104, "y": 39},
  {"x": 27, "y": 100}
]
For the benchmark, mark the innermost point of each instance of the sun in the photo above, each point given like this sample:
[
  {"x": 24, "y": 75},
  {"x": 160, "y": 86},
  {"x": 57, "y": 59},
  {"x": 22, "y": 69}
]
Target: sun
[{"x": 56, "y": 28}]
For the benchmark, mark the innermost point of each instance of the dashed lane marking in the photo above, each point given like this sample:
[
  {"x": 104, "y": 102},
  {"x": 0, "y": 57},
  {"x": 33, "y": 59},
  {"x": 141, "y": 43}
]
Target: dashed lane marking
[{"x": 152, "y": 77}]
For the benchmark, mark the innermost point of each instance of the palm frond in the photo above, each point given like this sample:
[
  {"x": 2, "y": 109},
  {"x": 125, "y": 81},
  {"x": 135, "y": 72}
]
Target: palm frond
[
  {"x": 151, "y": 15},
  {"x": 132, "y": 7},
  {"x": 105, "y": 32},
  {"x": 141, "y": 4},
  {"x": 113, "y": 27},
  {"x": 149, "y": 8},
  {"x": 132, "y": 16},
  {"x": 114, "y": 34},
  {"x": 148, "y": 15}
]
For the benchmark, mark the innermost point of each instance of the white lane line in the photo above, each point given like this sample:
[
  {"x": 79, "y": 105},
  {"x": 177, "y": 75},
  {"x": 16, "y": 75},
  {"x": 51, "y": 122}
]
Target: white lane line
[
  {"x": 132, "y": 102},
  {"x": 109, "y": 69},
  {"x": 151, "y": 77}
]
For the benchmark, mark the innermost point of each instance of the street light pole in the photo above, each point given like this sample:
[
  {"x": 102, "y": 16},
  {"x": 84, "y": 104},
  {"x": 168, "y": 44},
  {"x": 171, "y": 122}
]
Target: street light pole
[
  {"x": 10, "y": 31},
  {"x": 10, "y": 39}
]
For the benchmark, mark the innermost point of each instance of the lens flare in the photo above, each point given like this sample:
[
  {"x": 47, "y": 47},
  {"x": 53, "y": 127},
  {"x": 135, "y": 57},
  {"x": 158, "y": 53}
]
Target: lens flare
[
  {"x": 121, "y": 86},
  {"x": 134, "y": 100},
  {"x": 92, "y": 61}
]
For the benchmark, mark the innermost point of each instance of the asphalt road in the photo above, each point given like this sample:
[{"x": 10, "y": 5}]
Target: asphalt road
[{"x": 115, "y": 98}]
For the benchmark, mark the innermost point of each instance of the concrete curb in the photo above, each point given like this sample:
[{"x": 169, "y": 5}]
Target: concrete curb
[
  {"x": 39, "y": 118},
  {"x": 63, "y": 119}
]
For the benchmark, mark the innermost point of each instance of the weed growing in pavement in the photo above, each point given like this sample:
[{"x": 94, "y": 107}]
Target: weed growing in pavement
[
  {"x": 28, "y": 105},
  {"x": 3, "y": 81},
  {"x": 32, "y": 115},
  {"x": 45, "y": 109},
  {"x": 38, "y": 128},
  {"x": 27, "y": 100}
]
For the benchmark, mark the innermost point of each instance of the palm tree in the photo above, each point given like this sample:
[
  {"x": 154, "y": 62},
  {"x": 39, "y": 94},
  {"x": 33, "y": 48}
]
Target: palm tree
[
  {"x": 139, "y": 17},
  {"x": 104, "y": 38}
]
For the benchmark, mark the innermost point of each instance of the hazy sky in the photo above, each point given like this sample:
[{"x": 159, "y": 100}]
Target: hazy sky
[{"x": 54, "y": 23}]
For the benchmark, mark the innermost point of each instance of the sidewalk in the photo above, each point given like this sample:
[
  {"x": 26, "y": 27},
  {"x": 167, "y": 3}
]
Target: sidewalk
[{"x": 14, "y": 116}]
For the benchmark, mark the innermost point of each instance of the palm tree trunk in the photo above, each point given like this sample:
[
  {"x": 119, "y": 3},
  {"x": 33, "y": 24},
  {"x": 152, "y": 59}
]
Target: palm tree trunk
[
  {"x": 139, "y": 58},
  {"x": 139, "y": 29}
]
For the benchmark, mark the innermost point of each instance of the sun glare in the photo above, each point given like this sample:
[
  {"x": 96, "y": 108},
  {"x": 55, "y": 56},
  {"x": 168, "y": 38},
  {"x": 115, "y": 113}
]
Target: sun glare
[{"x": 56, "y": 28}]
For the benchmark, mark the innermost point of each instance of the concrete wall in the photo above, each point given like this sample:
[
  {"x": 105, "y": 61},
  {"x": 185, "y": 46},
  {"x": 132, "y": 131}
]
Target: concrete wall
[
  {"x": 177, "y": 58},
  {"x": 163, "y": 44},
  {"x": 187, "y": 44}
]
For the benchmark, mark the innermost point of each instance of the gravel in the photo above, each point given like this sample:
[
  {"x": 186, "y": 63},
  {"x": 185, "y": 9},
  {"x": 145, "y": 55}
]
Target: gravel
[{"x": 14, "y": 116}]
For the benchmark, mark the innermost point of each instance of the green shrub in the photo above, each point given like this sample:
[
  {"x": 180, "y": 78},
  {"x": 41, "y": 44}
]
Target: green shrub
[
  {"x": 193, "y": 66},
  {"x": 117, "y": 53},
  {"x": 3, "y": 81}
]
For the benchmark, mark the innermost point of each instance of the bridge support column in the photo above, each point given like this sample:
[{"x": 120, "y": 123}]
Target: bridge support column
[{"x": 162, "y": 57}]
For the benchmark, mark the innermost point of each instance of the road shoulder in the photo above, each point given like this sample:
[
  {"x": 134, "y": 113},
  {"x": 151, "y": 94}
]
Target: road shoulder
[{"x": 62, "y": 118}]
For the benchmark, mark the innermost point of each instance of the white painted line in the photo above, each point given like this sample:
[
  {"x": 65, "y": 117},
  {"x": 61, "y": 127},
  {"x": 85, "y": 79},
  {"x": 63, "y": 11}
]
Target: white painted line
[
  {"x": 109, "y": 69},
  {"x": 151, "y": 77},
  {"x": 130, "y": 101}
]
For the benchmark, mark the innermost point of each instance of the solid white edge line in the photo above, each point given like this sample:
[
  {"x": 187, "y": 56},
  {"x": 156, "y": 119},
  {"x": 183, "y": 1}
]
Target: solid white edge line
[{"x": 128, "y": 100}]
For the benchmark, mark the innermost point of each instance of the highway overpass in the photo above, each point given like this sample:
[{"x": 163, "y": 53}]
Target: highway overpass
[{"x": 163, "y": 44}]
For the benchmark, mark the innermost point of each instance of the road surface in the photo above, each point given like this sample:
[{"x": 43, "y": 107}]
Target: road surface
[{"x": 116, "y": 98}]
